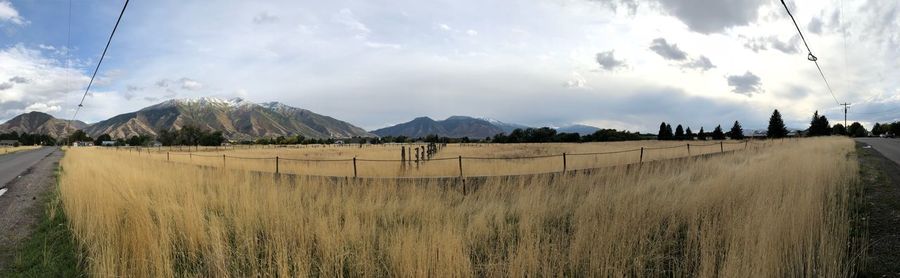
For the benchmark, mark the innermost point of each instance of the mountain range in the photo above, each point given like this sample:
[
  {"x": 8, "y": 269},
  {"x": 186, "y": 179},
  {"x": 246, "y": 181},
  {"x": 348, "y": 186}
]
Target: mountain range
[
  {"x": 239, "y": 119},
  {"x": 464, "y": 126}
]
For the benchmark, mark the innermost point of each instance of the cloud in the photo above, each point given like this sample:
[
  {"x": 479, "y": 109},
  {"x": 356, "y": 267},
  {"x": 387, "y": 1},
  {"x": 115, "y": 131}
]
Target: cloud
[
  {"x": 8, "y": 13},
  {"x": 607, "y": 60},
  {"x": 264, "y": 17},
  {"x": 576, "y": 81},
  {"x": 702, "y": 63},
  {"x": 706, "y": 16},
  {"x": 667, "y": 51},
  {"x": 5, "y": 86},
  {"x": 471, "y": 32},
  {"x": 746, "y": 84},
  {"x": 346, "y": 18},
  {"x": 18, "y": 80},
  {"x": 815, "y": 25},
  {"x": 35, "y": 82},
  {"x": 765, "y": 43},
  {"x": 190, "y": 84}
]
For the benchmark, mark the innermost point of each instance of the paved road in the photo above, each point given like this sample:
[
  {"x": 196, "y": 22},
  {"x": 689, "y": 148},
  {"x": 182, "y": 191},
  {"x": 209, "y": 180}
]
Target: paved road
[
  {"x": 14, "y": 164},
  {"x": 889, "y": 147}
]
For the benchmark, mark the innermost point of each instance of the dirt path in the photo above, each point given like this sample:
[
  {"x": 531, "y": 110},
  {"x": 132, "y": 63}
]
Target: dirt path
[
  {"x": 21, "y": 204},
  {"x": 881, "y": 178}
]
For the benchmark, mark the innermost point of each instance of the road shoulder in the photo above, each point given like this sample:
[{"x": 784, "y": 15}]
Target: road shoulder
[{"x": 881, "y": 178}]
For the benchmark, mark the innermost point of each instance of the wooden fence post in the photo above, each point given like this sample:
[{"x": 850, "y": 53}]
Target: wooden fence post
[
  {"x": 721, "y": 146},
  {"x": 276, "y": 165},
  {"x": 460, "y": 167},
  {"x": 167, "y": 156},
  {"x": 689, "y": 149},
  {"x": 642, "y": 156},
  {"x": 354, "y": 167},
  {"x": 223, "y": 161},
  {"x": 564, "y": 163}
]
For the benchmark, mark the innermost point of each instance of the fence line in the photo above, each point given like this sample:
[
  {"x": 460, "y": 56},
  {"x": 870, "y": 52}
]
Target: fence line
[{"x": 404, "y": 163}]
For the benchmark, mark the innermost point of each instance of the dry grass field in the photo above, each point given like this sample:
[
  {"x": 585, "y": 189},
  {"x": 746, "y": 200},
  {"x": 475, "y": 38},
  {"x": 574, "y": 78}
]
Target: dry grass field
[
  {"x": 6, "y": 150},
  {"x": 779, "y": 211},
  {"x": 478, "y": 159}
]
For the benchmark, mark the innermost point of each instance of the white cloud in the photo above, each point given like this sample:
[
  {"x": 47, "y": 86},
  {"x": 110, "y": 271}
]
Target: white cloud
[{"x": 8, "y": 13}]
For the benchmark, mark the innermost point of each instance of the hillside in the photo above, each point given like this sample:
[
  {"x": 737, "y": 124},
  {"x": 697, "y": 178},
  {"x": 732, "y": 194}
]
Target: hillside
[
  {"x": 40, "y": 123},
  {"x": 238, "y": 119},
  {"x": 454, "y": 127}
]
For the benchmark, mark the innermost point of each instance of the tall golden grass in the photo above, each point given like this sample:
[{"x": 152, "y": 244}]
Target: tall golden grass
[
  {"x": 778, "y": 211},
  {"x": 6, "y": 150},
  {"x": 478, "y": 159}
]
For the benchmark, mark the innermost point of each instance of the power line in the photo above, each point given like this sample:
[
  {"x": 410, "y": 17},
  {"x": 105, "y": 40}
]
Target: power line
[
  {"x": 810, "y": 57},
  {"x": 96, "y": 69}
]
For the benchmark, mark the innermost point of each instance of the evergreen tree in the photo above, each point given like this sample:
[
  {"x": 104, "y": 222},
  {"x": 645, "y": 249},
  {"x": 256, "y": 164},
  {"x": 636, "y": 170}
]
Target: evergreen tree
[
  {"x": 669, "y": 133},
  {"x": 679, "y": 133},
  {"x": 819, "y": 126},
  {"x": 661, "y": 135},
  {"x": 737, "y": 132},
  {"x": 839, "y": 129},
  {"x": 701, "y": 135},
  {"x": 717, "y": 133},
  {"x": 688, "y": 134},
  {"x": 776, "y": 126}
]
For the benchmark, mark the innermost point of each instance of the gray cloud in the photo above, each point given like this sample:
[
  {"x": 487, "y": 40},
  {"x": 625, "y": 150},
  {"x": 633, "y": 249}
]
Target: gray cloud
[
  {"x": 5, "y": 86},
  {"x": 264, "y": 17},
  {"x": 702, "y": 63},
  {"x": 765, "y": 43},
  {"x": 668, "y": 51},
  {"x": 746, "y": 84},
  {"x": 607, "y": 60},
  {"x": 815, "y": 25},
  {"x": 705, "y": 16},
  {"x": 18, "y": 80}
]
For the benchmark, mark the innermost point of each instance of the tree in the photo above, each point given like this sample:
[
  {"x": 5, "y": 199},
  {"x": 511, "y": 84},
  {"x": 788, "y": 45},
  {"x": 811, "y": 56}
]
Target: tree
[
  {"x": 737, "y": 132},
  {"x": 857, "y": 130},
  {"x": 101, "y": 138},
  {"x": 701, "y": 135},
  {"x": 876, "y": 129},
  {"x": 717, "y": 133},
  {"x": 839, "y": 129},
  {"x": 776, "y": 126},
  {"x": 679, "y": 133},
  {"x": 688, "y": 134},
  {"x": 665, "y": 132},
  {"x": 79, "y": 136},
  {"x": 819, "y": 126}
]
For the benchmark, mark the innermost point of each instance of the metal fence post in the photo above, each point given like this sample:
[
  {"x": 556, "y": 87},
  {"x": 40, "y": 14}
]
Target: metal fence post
[
  {"x": 564, "y": 163},
  {"x": 642, "y": 156},
  {"x": 354, "y": 167}
]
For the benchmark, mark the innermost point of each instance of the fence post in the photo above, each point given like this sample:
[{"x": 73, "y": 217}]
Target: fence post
[
  {"x": 167, "y": 156},
  {"x": 460, "y": 167},
  {"x": 354, "y": 166},
  {"x": 564, "y": 163},
  {"x": 223, "y": 162},
  {"x": 689, "y": 149},
  {"x": 642, "y": 156},
  {"x": 721, "y": 146},
  {"x": 276, "y": 165}
]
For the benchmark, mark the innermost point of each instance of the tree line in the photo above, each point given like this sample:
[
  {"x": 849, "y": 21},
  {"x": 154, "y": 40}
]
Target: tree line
[{"x": 27, "y": 139}]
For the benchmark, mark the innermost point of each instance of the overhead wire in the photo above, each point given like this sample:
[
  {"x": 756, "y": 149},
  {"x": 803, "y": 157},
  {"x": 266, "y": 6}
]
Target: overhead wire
[
  {"x": 99, "y": 62},
  {"x": 810, "y": 56}
]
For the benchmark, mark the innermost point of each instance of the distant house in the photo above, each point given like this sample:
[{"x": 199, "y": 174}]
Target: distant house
[
  {"x": 83, "y": 144},
  {"x": 108, "y": 143},
  {"x": 9, "y": 143},
  {"x": 156, "y": 144}
]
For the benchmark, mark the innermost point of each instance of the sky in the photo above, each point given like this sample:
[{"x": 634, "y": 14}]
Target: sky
[{"x": 623, "y": 64}]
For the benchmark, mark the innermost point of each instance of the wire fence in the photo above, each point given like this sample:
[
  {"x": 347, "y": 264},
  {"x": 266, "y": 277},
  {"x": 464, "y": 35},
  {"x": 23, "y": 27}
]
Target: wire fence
[{"x": 459, "y": 166}]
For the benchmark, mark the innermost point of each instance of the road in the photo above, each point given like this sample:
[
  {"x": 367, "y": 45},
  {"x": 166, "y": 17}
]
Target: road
[
  {"x": 888, "y": 147},
  {"x": 25, "y": 179},
  {"x": 14, "y": 164}
]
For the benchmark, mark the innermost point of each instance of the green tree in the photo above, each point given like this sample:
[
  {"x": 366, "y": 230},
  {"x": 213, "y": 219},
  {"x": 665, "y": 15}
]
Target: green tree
[
  {"x": 701, "y": 135},
  {"x": 679, "y": 133},
  {"x": 79, "y": 136},
  {"x": 101, "y": 138},
  {"x": 688, "y": 134},
  {"x": 839, "y": 129},
  {"x": 857, "y": 130},
  {"x": 776, "y": 126},
  {"x": 737, "y": 132},
  {"x": 819, "y": 126},
  {"x": 877, "y": 130},
  {"x": 717, "y": 133}
]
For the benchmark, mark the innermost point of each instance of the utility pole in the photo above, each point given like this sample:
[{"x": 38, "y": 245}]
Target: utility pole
[{"x": 845, "y": 115}]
